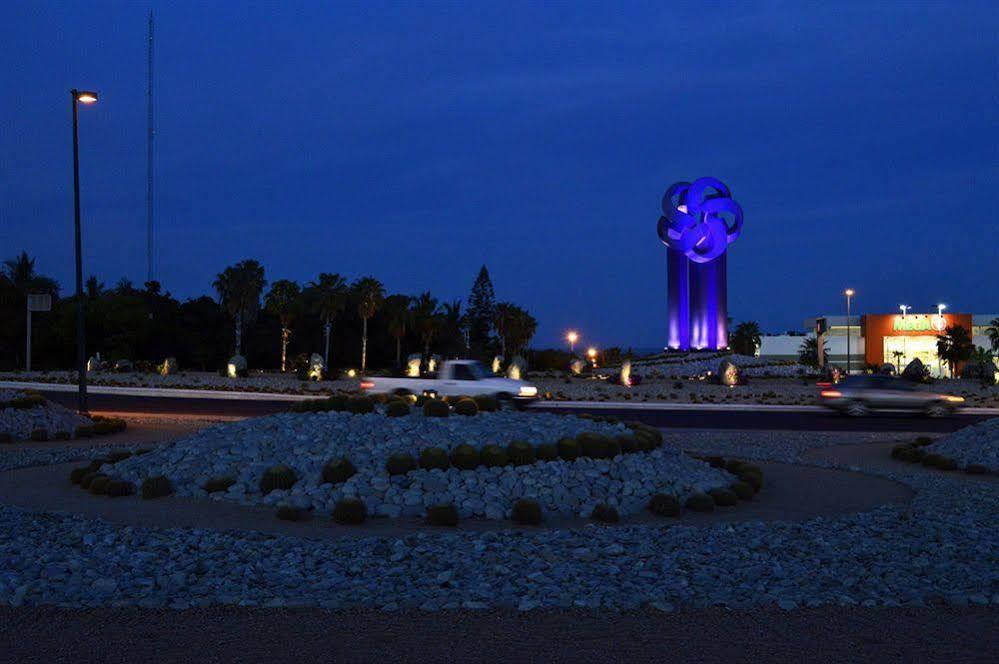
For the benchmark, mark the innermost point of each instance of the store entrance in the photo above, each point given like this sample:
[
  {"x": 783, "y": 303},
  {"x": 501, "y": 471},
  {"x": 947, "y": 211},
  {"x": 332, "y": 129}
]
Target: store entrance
[{"x": 902, "y": 350}]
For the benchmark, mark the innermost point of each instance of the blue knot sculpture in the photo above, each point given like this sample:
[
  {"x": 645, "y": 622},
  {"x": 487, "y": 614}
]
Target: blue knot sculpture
[{"x": 700, "y": 219}]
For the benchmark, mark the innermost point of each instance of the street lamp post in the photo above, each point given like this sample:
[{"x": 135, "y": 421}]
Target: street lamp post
[
  {"x": 572, "y": 337},
  {"x": 849, "y": 294},
  {"x": 941, "y": 326},
  {"x": 79, "y": 97}
]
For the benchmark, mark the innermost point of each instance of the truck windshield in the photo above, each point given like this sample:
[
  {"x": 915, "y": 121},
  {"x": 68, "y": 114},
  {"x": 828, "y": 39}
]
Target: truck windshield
[{"x": 467, "y": 371}]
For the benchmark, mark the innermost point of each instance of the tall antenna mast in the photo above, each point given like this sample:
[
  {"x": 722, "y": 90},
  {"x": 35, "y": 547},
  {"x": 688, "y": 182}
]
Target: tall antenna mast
[{"x": 149, "y": 155}]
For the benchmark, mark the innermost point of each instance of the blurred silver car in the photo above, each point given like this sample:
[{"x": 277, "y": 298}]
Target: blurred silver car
[{"x": 860, "y": 395}]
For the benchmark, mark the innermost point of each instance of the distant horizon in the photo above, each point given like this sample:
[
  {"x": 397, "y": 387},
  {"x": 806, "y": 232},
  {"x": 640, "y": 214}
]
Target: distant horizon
[{"x": 416, "y": 143}]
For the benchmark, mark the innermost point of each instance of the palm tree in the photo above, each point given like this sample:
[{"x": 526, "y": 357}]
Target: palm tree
[
  {"x": 746, "y": 338},
  {"x": 428, "y": 320},
  {"x": 520, "y": 329},
  {"x": 452, "y": 324},
  {"x": 284, "y": 301},
  {"x": 93, "y": 288},
  {"x": 20, "y": 272},
  {"x": 239, "y": 287},
  {"x": 328, "y": 296},
  {"x": 992, "y": 332},
  {"x": 398, "y": 319},
  {"x": 808, "y": 352},
  {"x": 955, "y": 346},
  {"x": 898, "y": 355},
  {"x": 369, "y": 294}
]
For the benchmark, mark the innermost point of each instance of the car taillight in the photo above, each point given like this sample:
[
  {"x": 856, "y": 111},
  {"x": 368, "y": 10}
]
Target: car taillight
[
  {"x": 823, "y": 385},
  {"x": 366, "y": 384},
  {"x": 831, "y": 394}
]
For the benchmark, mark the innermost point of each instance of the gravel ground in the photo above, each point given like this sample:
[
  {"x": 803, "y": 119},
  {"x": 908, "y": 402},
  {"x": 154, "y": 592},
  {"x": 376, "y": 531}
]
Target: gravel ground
[
  {"x": 53, "y": 418},
  {"x": 978, "y": 444},
  {"x": 831, "y": 634}
]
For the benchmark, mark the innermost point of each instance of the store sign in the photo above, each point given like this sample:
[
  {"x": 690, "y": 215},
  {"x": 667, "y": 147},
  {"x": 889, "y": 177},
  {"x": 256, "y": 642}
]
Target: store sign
[{"x": 918, "y": 323}]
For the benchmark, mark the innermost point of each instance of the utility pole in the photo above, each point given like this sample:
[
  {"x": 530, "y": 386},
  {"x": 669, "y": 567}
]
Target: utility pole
[{"x": 149, "y": 155}]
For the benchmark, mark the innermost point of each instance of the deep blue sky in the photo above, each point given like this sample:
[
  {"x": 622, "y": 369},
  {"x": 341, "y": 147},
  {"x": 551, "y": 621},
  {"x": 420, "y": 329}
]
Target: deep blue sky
[{"x": 416, "y": 141}]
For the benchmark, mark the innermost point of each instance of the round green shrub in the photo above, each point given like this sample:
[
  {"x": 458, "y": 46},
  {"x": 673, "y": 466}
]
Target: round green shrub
[
  {"x": 744, "y": 490},
  {"x": 465, "y": 457},
  {"x": 922, "y": 441},
  {"x": 39, "y": 435},
  {"x": 88, "y": 478},
  {"x": 653, "y": 437},
  {"x": 62, "y": 435},
  {"x": 277, "y": 477},
  {"x": 568, "y": 449},
  {"x": 612, "y": 447},
  {"x": 290, "y": 513},
  {"x": 605, "y": 513},
  {"x": 338, "y": 470},
  {"x": 520, "y": 453},
  {"x": 85, "y": 431},
  {"x": 724, "y": 497},
  {"x": 442, "y": 515},
  {"x": 526, "y": 512},
  {"x": 590, "y": 445},
  {"x": 436, "y": 408},
  {"x": 486, "y": 403},
  {"x": 115, "y": 456},
  {"x": 350, "y": 511},
  {"x": 360, "y": 405},
  {"x": 216, "y": 484},
  {"x": 715, "y": 461},
  {"x": 628, "y": 444},
  {"x": 77, "y": 474},
  {"x": 119, "y": 488},
  {"x": 664, "y": 505},
  {"x": 700, "y": 502},
  {"x": 397, "y": 408},
  {"x": 156, "y": 487},
  {"x": 494, "y": 456},
  {"x": 434, "y": 457},
  {"x": 27, "y": 401},
  {"x": 400, "y": 464},
  {"x": 99, "y": 485},
  {"x": 546, "y": 452},
  {"x": 946, "y": 463},
  {"x": 5, "y": 437},
  {"x": 976, "y": 469},
  {"x": 466, "y": 407}
]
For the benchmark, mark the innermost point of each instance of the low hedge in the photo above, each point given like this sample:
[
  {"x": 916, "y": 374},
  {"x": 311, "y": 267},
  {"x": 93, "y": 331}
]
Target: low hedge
[
  {"x": 119, "y": 488},
  {"x": 434, "y": 457},
  {"x": 88, "y": 478},
  {"x": 494, "y": 456},
  {"x": 487, "y": 403},
  {"x": 435, "y": 408},
  {"x": 526, "y": 512},
  {"x": 85, "y": 431},
  {"x": 744, "y": 490},
  {"x": 156, "y": 487},
  {"x": 664, "y": 505},
  {"x": 27, "y": 401},
  {"x": 546, "y": 452},
  {"x": 724, "y": 497},
  {"x": 277, "y": 477},
  {"x": 397, "y": 408},
  {"x": 39, "y": 435},
  {"x": 99, "y": 485},
  {"x": 216, "y": 484},
  {"x": 350, "y": 511},
  {"x": 520, "y": 453},
  {"x": 290, "y": 513},
  {"x": 465, "y": 457},
  {"x": 605, "y": 513},
  {"x": 338, "y": 470},
  {"x": 442, "y": 515},
  {"x": 360, "y": 405},
  {"x": 700, "y": 502},
  {"x": 400, "y": 464},
  {"x": 62, "y": 435},
  {"x": 466, "y": 407}
]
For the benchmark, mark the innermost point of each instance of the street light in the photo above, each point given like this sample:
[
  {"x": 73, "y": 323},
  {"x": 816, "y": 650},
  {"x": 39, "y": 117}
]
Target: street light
[
  {"x": 79, "y": 97},
  {"x": 941, "y": 326},
  {"x": 592, "y": 354},
  {"x": 572, "y": 337},
  {"x": 849, "y": 294}
]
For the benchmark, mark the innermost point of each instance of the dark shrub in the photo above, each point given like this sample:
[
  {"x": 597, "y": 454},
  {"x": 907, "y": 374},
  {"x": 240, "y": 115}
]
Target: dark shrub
[
  {"x": 397, "y": 408},
  {"x": 612, "y": 447},
  {"x": 435, "y": 408},
  {"x": 433, "y": 457},
  {"x": 360, "y": 405},
  {"x": 156, "y": 487},
  {"x": 899, "y": 452},
  {"x": 85, "y": 431},
  {"x": 118, "y": 455},
  {"x": 628, "y": 444},
  {"x": 664, "y": 505},
  {"x": 400, "y": 464},
  {"x": 733, "y": 466},
  {"x": 216, "y": 484},
  {"x": 466, "y": 407},
  {"x": 290, "y": 513},
  {"x": 526, "y": 512},
  {"x": 5, "y": 437},
  {"x": 700, "y": 502},
  {"x": 743, "y": 490},
  {"x": 654, "y": 434},
  {"x": 724, "y": 497},
  {"x": 104, "y": 426},
  {"x": 119, "y": 488},
  {"x": 715, "y": 461},
  {"x": 27, "y": 401},
  {"x": 39, "y": 435},
  {"x": 465, "y": 457},
  {"x": 486, "y": 403},
  {"x": 976, "y": 469},
  {"x": 930, "y": 460},
  {"x": 308, "y": 406},
  {"x": 350, "y": 511},
  {"x": 77, "y": 474},
  {"x": 922, "y": 441},
  {"x": 337, "y": 403},
  {"x": 99, "y": 485},
  {"x": 568, "y": 449},
  {"x": 277, "y": 477},
  {"x": 946, "y": 463},
  {"x": 591, "y": 445},
  {"x": 494, "y": 456},
  {"x": 442, "y": 515},
  {"x": 88, "y": 478},
  {"x": 546, "y": 452},
  {"x": 605, "y": 513},
  {"x": 752, "y": 478},
  {"x": 338, "y": 470},
  {"x": 520, "y": 453},
  {"x": 62, "y": 435}
]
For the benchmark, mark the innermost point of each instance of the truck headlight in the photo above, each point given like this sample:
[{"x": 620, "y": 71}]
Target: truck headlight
[{"x": 528, "y": 391}]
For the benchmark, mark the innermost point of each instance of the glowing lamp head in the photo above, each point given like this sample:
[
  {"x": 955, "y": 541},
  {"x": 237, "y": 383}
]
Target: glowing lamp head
[
  {"x": 572, "y": 337},
  {"x": 849, "y": 292},
  {"x": 591, "y": 353},
  {"x": 85, "y": 96}
]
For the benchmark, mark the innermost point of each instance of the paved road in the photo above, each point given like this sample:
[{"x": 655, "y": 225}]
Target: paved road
[{"x": 700, "y": 419}]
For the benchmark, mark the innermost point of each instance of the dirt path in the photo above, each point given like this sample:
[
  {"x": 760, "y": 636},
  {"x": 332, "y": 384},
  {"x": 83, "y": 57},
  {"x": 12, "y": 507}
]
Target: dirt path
[
  {"x": 877, "y": 456},
  {"x": 791, "y": 493},
  {"x": 827, "y": 634}
]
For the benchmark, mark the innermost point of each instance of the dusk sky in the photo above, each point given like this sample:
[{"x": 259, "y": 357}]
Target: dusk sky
[{"x": 416, "y": 141}]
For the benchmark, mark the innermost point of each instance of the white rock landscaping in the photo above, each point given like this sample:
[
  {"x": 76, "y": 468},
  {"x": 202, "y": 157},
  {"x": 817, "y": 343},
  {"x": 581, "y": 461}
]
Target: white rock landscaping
[
  {"x": 305, "y": 442},
  {"x": 974, "y": 445},
  {"x": 19, "y": 422}
]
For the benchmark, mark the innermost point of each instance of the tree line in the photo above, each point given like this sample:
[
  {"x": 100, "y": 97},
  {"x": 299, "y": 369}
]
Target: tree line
[{"x": 351, "y": 323}]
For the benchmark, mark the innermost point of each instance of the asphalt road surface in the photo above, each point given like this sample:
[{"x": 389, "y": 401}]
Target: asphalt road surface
[{"x": 698, "y": 419}]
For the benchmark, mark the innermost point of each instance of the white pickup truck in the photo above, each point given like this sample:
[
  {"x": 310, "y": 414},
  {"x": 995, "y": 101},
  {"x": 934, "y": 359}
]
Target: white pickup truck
[{"x": 454, "y": 378}]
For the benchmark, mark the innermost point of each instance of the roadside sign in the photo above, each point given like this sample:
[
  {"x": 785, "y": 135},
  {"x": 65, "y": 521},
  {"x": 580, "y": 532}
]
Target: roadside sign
[{"x": 40, "y": 302}]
